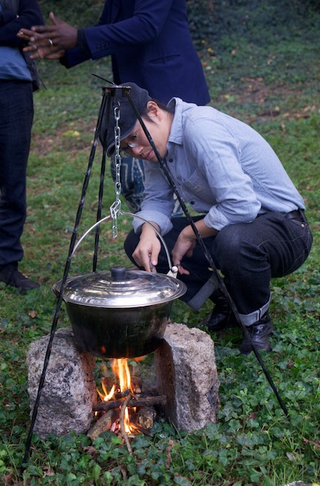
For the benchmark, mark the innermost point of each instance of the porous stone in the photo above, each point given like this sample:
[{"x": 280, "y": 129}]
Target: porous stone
[
  {"x": 186, "y": 373},
  {"x": 69, "y": 391}
]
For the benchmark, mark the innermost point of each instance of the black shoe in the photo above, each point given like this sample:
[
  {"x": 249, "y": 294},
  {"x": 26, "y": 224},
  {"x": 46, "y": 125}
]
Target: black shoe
[
  {"x": 221, "y": 317},
  {"x": 260, "y": 333},
  {"x": 10, "y": 275}
]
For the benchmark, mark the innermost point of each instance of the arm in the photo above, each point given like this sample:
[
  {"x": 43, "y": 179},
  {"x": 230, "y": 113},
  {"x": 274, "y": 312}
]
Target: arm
[
  {"x": 187, "y": 241},
  {"x": 227, "y": 157},
  {"x": 143, "y": 24},
  {"x": 6, "y": 16},
  {"x": 29, "y": 14}
]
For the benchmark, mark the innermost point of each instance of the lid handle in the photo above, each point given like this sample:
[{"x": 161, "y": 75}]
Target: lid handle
[{"x": 118, "y": 273}]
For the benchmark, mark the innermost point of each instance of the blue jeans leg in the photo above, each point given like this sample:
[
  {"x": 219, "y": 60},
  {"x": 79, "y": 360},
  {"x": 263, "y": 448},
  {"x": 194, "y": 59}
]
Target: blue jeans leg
[{"x": 16, "y": 108}]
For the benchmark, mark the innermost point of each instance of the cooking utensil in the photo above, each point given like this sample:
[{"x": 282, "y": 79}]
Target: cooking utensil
[{"x": 121, "y": 313}]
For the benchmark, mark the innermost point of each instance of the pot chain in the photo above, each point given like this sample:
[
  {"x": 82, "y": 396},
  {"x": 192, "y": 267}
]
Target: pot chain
[{"x": 115, "y": 208}]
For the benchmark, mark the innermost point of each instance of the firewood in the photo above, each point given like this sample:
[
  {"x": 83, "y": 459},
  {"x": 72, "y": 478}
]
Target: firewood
[
  {"x": 146, "y": 417},
  {"x": 102, "y": 425},
  {"x": 143, "y": 430},
  {"x": 122, "y": 427},
  {"x": 133, "y": 402}
]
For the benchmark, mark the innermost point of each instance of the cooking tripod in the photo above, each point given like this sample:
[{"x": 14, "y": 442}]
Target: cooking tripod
[{"x": 214, "y": 283}]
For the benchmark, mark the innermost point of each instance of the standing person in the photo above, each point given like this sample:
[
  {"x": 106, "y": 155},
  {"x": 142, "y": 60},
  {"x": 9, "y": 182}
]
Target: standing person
[
  {"x": 149, "y": 43},
  {"x": 251, "y": 216},
  {"x": 16, "y": 108}
]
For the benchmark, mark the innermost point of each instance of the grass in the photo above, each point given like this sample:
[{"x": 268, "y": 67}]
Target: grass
[{"x": 274, "y": 86}]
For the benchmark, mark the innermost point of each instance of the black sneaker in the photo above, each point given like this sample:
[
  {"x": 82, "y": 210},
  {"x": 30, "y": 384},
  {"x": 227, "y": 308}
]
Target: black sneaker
[
  {"x": 10, "y": 275},
  {"x": 221, "y": 317},
  {"x": 260, "y": 333}
]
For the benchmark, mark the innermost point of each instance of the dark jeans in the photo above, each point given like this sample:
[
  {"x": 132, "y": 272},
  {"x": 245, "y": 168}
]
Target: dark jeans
[
  {"x": 248, "y": 255},
  {"x": 16, "y": 116}
]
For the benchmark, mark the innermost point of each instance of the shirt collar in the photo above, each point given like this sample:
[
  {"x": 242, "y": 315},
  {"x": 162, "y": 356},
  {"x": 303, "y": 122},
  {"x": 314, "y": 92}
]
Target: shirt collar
[{"x": 176, "y": 132}]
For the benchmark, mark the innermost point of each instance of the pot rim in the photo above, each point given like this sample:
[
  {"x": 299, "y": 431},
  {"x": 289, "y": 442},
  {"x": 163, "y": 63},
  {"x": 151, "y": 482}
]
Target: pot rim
[{"x": 121, "y": 297}]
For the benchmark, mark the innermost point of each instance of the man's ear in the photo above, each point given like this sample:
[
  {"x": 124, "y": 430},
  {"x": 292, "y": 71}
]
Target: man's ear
[{"x": 153, "y": 110}]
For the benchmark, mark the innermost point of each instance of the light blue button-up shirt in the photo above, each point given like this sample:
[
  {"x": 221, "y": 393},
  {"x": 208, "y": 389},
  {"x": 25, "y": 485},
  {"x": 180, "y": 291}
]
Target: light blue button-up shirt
[{"x": 221, "y": 166}]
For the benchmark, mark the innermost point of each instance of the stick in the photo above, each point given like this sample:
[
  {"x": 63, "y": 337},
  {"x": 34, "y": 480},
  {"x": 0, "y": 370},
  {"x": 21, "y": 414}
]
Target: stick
[
  {"x": 122, "y": 428},
  {"x": 132, "y": 402}
]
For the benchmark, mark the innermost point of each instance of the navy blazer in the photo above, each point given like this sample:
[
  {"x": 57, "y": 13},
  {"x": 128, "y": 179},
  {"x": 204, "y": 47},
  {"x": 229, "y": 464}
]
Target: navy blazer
[{"x": 150, "y": 44}]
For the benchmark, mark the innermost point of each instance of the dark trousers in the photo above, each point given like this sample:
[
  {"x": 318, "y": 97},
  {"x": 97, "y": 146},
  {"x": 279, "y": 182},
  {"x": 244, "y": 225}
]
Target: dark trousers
[
  {"x": 16, "y": 117},
  {"x": 248, "y": 255}
]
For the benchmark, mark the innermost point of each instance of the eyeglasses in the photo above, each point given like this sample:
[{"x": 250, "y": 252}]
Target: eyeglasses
[{"x": 130, "y": 145}]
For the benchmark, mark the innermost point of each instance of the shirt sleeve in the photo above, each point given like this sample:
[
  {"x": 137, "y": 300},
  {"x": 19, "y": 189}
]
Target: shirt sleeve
[
  {"x": 6, "y": 16},
  {"x": 218, "y": 155},
  {"x": 144, "y": 26},
  {"x": 157, "y": 205}
]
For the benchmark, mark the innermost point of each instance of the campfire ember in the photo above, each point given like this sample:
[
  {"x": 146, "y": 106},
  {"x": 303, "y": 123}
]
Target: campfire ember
[{"x": 124, "y": 409}]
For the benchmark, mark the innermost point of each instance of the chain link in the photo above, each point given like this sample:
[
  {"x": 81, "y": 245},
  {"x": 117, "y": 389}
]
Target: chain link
[{"x": 115, "y": 208}]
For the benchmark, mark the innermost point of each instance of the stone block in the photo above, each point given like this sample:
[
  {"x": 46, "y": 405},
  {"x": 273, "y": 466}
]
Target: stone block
[
  {"x": 69, "y": 391},
  {"x": 186, "y": 373}
]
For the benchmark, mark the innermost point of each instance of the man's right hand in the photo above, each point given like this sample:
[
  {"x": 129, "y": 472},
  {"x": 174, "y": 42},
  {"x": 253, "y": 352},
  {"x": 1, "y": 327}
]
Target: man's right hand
[{"x": 49, "y": 41}]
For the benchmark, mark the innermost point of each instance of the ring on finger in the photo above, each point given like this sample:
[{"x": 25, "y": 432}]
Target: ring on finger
[{"x": 50, "y": 42}]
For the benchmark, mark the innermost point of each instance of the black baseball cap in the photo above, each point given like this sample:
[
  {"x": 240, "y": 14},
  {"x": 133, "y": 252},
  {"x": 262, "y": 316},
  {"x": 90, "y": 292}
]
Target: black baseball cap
[{"x": 128, "y": 117}]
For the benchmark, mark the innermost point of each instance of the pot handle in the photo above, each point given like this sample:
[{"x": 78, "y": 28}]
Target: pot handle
[{"x": 173, "y": 268}]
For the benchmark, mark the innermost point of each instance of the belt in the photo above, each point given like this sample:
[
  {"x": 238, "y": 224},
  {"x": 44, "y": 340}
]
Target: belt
[{"x": 297, "y": 214}]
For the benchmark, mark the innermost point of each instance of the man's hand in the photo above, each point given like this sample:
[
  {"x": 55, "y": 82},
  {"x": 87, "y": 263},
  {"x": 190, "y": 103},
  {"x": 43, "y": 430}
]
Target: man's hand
[
  {"x": 184, "y": 246},
  {"x": 186, "y": 243},
  {"x": 49, "y": 41},
  {"x": 148, "y": 249}
]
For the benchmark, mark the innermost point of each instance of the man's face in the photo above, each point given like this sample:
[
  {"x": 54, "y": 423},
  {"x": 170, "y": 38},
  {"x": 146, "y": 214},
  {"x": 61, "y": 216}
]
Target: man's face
[{"x": 137, "y": 144}]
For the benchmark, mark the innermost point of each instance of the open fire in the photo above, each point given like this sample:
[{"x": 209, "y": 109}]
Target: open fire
[
  {"x": 124, "y": 408},
  {"x": 124, "y": 389},
  {"x": 179, "y": 383}
]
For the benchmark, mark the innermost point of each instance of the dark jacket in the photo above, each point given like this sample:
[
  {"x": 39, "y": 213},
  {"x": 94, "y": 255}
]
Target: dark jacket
[
  {"x": 150, "y": 45},
  {"x": 29, "y": 15}
]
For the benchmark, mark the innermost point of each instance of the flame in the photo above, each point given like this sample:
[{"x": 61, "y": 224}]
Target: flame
[{"x": 120, "y": 369}]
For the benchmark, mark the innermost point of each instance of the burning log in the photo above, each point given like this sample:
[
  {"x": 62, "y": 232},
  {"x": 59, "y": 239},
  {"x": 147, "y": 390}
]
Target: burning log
[
  {"x": 102, "y": 425},
  {"x": 145, "y": 418},
  {"x": 122, "y": 426},
  {"x": 133, "y": 402}
]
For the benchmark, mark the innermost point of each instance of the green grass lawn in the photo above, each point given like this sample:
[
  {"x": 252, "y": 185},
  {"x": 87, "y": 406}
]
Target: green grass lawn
[{"x": 273, "y": 84}]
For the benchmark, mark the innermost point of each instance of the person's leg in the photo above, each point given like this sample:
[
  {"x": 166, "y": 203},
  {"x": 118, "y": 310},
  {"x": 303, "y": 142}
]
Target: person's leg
[
  {"x": 249, "y": 255},
  {"x": 16, "y": 107}
]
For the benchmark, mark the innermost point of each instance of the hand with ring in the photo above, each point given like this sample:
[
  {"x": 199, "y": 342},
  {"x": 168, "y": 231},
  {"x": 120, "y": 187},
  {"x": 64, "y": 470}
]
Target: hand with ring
[{"x": 49, "y": 41}]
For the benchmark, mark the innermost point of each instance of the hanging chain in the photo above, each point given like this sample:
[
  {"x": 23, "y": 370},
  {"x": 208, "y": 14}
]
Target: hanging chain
[{"x": 116, "y": 206}]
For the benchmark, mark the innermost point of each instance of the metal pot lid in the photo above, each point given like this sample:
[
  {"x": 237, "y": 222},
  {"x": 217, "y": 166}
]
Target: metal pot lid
[{"x": 121, "y": 288}]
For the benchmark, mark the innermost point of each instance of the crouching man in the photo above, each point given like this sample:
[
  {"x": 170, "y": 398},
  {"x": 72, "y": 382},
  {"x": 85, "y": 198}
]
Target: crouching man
[{"x": 251, "y": 216}]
